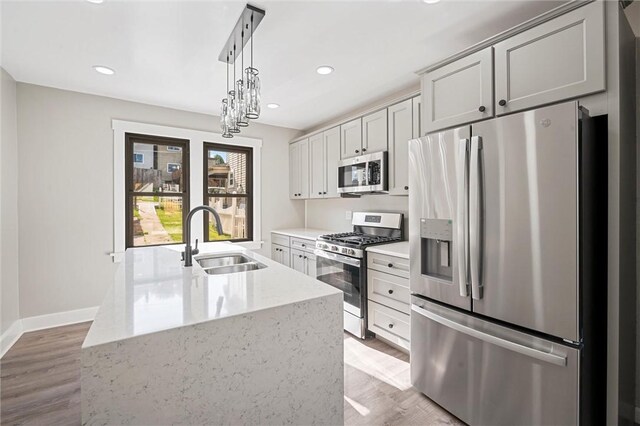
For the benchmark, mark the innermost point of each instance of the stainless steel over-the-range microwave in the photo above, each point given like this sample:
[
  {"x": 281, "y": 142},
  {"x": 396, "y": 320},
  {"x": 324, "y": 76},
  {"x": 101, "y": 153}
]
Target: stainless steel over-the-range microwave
[{"x": 363, "y": 174}]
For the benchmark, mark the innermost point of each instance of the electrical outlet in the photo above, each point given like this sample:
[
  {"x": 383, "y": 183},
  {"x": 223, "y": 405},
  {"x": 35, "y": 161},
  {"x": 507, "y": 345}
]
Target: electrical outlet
[{"x": 347, "y": 214}]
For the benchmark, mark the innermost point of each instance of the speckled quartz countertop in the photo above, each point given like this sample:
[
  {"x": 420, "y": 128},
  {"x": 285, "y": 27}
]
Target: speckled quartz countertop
[
  {"x": 400, "y": 249},
  {"x": 305, "y": 233},
  {"x": 153, "y": 292}
]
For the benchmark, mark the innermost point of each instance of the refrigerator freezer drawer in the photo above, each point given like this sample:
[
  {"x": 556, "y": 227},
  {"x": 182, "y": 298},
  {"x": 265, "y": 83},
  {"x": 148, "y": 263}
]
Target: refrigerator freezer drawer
[{"x": 487, "y": 374}]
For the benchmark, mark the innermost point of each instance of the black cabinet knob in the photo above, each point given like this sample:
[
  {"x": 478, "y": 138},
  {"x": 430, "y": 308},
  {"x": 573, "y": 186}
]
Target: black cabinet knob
[
  {"x": 390, "y": 265},
  {"x": 306, "y": 257},
  {"x": 303, "y": 246},
  {"x": 364, "y": 149},
  {"x": 357, "y": 151},
  {"x": 300, "y": 256},
  {"x": 324, "y": 192},
  {"x": 390, "y": 325},
  {"x": 406, "y": 188},
  {"x": 502, "y": 102},
  {"x": 482, "y": 108},
  {"x": 319, "y": 193},
  {"x": 390, "y": 291}
]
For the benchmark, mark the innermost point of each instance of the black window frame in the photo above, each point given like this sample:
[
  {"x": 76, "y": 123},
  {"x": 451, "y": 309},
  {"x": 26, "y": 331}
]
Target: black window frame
[
  {"x": 249, "y": 194},
  {"x": 130, "y": 140}
]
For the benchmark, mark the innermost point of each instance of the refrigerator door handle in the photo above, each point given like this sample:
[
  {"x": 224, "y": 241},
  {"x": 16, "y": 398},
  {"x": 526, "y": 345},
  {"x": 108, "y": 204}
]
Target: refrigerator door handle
[
  {"x": 462, "y": 234},
  {"x": 475, "y": 217},
  {"x": 494, "y": 340}
]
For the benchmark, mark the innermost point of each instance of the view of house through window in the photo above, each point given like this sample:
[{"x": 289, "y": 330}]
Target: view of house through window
[
  {"x": 156, "y": 189},
  {"x": 228, "y": 189}
]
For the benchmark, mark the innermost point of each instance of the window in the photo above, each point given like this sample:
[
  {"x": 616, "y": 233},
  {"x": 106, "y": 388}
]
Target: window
[
  {"x": 157, "y": 189},
  {"x": 228, "y": 188}
]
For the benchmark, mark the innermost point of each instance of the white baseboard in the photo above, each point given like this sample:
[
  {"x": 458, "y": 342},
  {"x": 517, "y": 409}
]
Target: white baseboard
[
  {"x": 10, "y": 336},
  {"x": 40, "y": 322}
]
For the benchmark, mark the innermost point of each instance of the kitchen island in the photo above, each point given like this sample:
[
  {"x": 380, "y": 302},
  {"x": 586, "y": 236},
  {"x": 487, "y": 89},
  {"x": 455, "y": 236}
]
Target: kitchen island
[{"x": 174, "y": 345}]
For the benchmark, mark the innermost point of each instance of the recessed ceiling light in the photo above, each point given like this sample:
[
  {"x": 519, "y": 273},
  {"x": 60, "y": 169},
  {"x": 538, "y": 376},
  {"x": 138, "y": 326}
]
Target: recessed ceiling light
[
  {"x": 324, "y": 69},
  {"x": 431, "y": 1},
  {"x": 273, "y": 106},
  {"x": 95, "y": 1},
  {"x": 104, "y": 70}
]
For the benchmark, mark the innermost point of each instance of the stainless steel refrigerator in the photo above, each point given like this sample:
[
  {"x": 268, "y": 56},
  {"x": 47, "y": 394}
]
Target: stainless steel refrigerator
[{"x": 502, "y": 248}]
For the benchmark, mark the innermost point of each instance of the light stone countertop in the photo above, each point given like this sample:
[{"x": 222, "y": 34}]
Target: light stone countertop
[
  {"x": 304, "y": 233},
  {"x": 400, "y": 249},
  {"x": 153, "y": 292}
]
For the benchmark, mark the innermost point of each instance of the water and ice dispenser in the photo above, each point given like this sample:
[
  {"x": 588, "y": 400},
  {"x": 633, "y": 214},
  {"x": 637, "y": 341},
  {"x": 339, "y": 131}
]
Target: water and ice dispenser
[{"x": 435, "y": 240}]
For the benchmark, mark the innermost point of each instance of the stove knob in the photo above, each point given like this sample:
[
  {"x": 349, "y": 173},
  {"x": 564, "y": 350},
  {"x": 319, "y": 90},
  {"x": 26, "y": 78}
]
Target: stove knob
[
  {"x": 334, "y": 248},
  {"x": 351, "y": 251}
]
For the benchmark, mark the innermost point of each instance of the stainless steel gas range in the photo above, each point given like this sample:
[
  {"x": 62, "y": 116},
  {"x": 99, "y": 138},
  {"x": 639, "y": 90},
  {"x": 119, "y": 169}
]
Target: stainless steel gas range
[{"x": 341, "y": 262}]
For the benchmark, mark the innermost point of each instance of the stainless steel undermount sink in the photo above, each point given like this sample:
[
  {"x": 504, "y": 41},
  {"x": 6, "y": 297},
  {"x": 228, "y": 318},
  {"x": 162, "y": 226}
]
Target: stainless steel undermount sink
[{"x": 217, "y": 264}]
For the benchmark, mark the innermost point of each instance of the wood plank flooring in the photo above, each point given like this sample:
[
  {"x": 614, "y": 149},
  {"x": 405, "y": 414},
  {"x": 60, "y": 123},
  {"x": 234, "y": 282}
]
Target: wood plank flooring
[{"x": 40, "y": 382}]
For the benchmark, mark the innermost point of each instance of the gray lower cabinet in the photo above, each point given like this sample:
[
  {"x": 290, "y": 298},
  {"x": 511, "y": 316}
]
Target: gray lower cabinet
[
  {"x": 297, "y": 253},
  {"x": 389, "y": 300},
  {"x": 557, "y": 60},
  {"x": 458, "y": 93}
]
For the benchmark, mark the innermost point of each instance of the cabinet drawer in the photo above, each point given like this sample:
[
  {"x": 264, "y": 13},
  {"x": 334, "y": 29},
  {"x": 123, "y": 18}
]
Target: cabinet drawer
[
  {"x": 301, "y": 244},
  {"x": 388, "y": 323},
  {"x": 279, "y": 239},
  {"x": 389, "y": 290},
  {"x": 389, "y": 264}
]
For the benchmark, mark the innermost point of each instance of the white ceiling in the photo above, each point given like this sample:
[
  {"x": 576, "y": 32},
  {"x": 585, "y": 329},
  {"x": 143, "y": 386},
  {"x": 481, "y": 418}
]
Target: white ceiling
[{"x": 165, "y": 53}]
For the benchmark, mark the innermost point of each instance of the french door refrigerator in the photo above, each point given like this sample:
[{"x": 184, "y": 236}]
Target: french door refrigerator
[{"x": 502, "y": 251}]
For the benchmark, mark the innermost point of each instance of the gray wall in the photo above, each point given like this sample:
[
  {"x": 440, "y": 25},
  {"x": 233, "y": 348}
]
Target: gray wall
[
  {"x": 330, "y": 214},
  {"x": 66, "y": 190},
  {"x": 8, "y": 203}
]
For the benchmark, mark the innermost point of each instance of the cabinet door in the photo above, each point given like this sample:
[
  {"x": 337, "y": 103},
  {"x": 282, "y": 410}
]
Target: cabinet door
[
  {"x": 400, "y": 118},
  {"x": 560, "y": 59},
  {"x": 298, "y": 261},
  {"x": 310, "y": 265},
  {"x": 284, "y": 252},
  {"x": 317, "y": 166},
  {"x": 303, "y": 174},
  {"x": 294, "y": 171},
  {"x": 417, "y": 117},
  {"x": 459, "y": 93},
  {"x": 351, "y": 138},
  {"x": 332, "y": 155},
  {"x": 374, "y": 132}
]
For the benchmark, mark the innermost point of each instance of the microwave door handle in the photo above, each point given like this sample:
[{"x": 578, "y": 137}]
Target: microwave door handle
[
  {"x": 462, "y": 231},
  {"x": 475, "y": 217}
]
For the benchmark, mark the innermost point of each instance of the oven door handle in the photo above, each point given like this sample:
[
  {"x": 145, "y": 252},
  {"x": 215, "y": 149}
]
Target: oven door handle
[{"x": 338, "y": 258}]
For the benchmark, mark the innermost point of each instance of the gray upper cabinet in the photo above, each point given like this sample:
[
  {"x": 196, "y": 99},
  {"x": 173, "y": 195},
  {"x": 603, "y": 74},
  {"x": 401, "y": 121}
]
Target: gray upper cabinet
[
  {"x": 559, "y": 59},
  {"x": 400, "y": 117},
  {"x": 374, "y": 132},
  {"x": 458, "y": 93},
  {"x": 299, "y": 170},
  {"x": 332, "y": 154},
  {"x": 317, "y": 166},
  {"x": 351, "y": 138},
  {"x": 324, "y": 154},
  {"x": 417, "y": 117}
]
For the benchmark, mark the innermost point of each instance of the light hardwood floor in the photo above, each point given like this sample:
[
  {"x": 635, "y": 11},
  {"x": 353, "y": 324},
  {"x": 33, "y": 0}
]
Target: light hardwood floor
[{"x": 40, "y": 382}]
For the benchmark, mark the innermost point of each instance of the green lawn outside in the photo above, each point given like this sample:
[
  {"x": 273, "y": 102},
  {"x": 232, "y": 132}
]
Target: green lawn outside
[{"x": 172, "y": 222}]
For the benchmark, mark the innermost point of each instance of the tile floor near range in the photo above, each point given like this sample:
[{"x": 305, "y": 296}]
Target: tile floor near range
[{"x": 41, "y": 382}]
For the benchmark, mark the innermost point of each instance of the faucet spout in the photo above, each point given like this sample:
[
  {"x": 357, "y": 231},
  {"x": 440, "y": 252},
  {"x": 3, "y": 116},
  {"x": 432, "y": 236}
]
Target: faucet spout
[{"x": 188, "y": 253}]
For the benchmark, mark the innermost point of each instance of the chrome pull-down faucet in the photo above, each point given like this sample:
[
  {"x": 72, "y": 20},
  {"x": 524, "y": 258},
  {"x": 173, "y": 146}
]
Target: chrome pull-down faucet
[{"x": 188, "y": 253}]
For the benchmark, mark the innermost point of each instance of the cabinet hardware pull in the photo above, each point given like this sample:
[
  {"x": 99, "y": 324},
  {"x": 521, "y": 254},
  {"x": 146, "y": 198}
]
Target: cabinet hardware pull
[
  {"x": 303, "y": 246},
  {"x": 300, "y": 256},
  {"x": 502, "y": 102},
  {"x": 306, "y": 257},
  {"x": 482, "y": 108},
  {"x": 319, "y": 193},
  {"x": 406, "y": 188},
  {"x": 390, "y": 265},
  {"x": 357, "y": 151},
  {"x": 324, "y": 192},
  {"x": 390, "y": 325},
  {"x": 364, "y": 149},
  {"x": 390, "y": 291}
]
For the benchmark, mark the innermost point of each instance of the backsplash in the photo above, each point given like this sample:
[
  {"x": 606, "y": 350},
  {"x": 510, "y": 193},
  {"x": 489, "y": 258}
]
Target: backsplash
[{"x": 330, "y": 214}]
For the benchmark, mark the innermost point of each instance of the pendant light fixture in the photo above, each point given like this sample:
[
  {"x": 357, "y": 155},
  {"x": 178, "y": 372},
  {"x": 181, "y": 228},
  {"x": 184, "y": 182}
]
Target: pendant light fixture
[{"x": 242, "y": 100}]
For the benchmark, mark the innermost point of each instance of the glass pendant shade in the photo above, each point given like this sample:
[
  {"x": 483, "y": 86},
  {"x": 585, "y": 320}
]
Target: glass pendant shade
[
  {"x": 223, "y": 120},
  {"x": 252, "y": 93},
  {"x": 232, "y": 122},
  {"x": 241, "y": 105}
]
